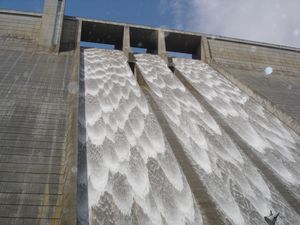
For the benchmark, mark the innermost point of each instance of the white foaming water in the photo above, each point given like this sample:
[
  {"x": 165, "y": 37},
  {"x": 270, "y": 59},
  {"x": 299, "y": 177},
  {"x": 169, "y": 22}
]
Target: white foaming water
[
  {"x": 231, "y": 180},
  {"x": 264, "y": 132},
  {"x": 274, "y": 143},
  {"x": 133, "y": 177}
]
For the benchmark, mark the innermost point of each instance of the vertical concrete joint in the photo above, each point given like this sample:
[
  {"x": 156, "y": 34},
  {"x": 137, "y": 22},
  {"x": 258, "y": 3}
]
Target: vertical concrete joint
[
  {"x": 205, "y": 51},
  {"x": 161, "y": 45},
  {"x": 79, "y": 30},
  {"x": 126, "y": 41},
  {"x": 51, "y": 26}
]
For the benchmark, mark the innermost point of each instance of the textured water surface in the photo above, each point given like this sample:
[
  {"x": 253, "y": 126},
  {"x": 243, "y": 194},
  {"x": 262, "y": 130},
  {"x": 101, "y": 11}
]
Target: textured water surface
[
  {"x": 133, "y": 177},
  {"x": 276, "y": 144},
  {"x": 234, "y": 183}
]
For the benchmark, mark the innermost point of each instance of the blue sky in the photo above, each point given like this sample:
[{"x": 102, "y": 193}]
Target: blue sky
[
  {"x": 147, "y": 12},
  {"x": 273, "y": 21},
  {"x": 133, "y": 11},
  {"x": 29, "y": 5}
]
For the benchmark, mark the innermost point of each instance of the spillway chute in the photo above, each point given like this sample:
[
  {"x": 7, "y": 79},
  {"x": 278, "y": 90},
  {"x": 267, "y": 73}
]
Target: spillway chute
[{"x": 133, "y": 177}]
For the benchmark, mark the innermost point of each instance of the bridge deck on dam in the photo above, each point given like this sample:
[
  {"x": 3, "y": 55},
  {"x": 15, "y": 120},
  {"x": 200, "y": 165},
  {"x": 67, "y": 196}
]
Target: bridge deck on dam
[{"x": 34, "y": 90}]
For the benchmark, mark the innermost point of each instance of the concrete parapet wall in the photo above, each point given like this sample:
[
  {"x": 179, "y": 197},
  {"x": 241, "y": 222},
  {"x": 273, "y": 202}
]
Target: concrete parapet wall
[
  {"x": 243, "y": 53},
  {"x": 19, "y": 29},
  {"x": 19, "y": 25}
]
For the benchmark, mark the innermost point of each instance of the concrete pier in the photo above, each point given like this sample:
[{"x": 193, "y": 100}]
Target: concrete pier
[
  {"x": 126, "y": 41},
  {"x": 161, "y": 45},
  {"x": 51, "y": 26}
]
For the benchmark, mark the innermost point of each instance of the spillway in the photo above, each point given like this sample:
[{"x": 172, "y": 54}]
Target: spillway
[
  {"x": 274, "y": 143},
  {"x": 107, "y": 137},
  {"x": 132, "y": 175},
  {"x": 241, "y": 191},
  {"x": 135, "y": 139}
]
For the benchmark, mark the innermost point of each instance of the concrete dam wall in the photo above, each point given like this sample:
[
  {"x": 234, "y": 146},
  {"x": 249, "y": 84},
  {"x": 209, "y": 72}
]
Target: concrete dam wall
[
  {"x": 98, "y": 136},
  {"x": 37, "y": 139}
]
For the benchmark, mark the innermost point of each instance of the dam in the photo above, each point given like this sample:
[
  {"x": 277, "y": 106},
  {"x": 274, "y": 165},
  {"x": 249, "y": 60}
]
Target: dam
[{"x": 94, "y": 136}]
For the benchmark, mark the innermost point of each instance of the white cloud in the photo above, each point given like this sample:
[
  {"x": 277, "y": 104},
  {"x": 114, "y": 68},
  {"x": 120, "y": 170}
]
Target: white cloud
[
  {"x": 176, "y": 9},
  {"x": 163, "y": 6},
  {"x": 273, "y": 21},
  {"x": 177, "y": 6}
]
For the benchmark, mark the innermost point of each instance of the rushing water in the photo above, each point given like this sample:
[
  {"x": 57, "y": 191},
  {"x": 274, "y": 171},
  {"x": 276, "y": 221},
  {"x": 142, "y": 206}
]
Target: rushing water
[
  {"x": 232, "y": 181},
  {"x": 276, "y": 145},
  {"x": 133, "y": 177}
]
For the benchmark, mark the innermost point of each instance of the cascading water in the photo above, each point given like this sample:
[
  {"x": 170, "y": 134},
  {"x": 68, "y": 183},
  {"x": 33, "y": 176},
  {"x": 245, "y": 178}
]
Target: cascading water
[
  {"x": 232, "y": 181},
  {"x": 274, "y": 143},
  {"x": 133, "y": 177}
]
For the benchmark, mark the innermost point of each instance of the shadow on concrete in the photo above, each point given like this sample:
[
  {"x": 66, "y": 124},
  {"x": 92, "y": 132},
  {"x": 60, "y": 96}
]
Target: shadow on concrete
[{"x": 82, "y": 177}]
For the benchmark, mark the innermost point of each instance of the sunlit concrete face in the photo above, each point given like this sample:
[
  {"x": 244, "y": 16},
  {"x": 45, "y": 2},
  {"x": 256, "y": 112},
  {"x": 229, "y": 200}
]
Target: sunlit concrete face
[
  {"x": 34, "y": 111},
  {"x": 51, "y": 25}
]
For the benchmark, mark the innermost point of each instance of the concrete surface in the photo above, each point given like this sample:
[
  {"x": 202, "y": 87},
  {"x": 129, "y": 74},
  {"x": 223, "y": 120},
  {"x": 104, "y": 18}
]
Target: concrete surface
[
  {"x": 34, "y": 95},
  {"x": 51, "y": 25},
  {"x": 245, "y": 65},
  {"x": 18, "y": 25}
]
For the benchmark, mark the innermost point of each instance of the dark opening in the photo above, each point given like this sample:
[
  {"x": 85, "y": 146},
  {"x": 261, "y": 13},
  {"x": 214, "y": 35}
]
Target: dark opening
[
  {"x": 182, "y": 43},
  {"x": 103, "y": 33},
  {"x": 143, "y": 38}
]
